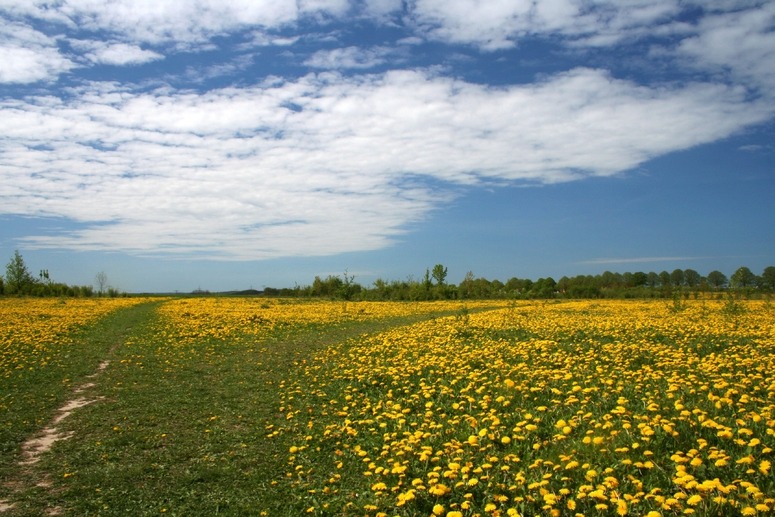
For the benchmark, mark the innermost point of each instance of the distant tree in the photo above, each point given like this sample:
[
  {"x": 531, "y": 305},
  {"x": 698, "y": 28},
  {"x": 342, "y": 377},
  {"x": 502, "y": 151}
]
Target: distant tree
[
  {"x": 381, "y": 288},
  {"x": 717, "y": 279},
  {"x": 610, "y": 280},
  {"x": 639, "y": 279},
  {"x": 653, "y": 279},
  {"x": 515, "y": 285},
  {"x": 543, "y": 288},
  {"x": 742, "y": 278},
  {"x": 102, "y": 282},
  {"x": 768, "y": 278},
  {"x": 426, "y": 281},
  {"x": 348, "y": 287},
  {"x": 664, "y": 279},
  {"x": 482, "y": 288},
  {"x": 439, "y": 274},
  {"x": 17, "y": 277},
  {"x": 692, "y": 278},
  {"x": 677, "y": 277},
  {"x": 466, "y": 287},
  {"x": 330, "y": 287}
]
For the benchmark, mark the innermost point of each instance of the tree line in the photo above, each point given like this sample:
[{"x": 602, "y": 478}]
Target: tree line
[
  {"x": 433, "y": 286},
  {"x": 19, "y": 281}
]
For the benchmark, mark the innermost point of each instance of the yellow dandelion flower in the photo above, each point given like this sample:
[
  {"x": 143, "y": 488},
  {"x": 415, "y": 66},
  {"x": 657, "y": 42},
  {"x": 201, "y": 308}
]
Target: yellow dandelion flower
[
  {"x": 439, "y": 490},
  {"x": 694, "y": 500}
]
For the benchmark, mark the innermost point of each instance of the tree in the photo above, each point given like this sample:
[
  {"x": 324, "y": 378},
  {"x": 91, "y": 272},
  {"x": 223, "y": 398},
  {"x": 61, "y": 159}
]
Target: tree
[
  {"x": 742, "y": 278},
  {"x": 17, "y": 277},
  {"x": 426, "y": 281},
  {"x": 102, "y": 282},
  {"x": 768, "y": 278},
  {"x": 348, "y": 288},
  {"x": 692, "y": 278},
  {"x": 466, "y": 287},
  {"x": 677, "y": 277},
  {"x": 717, "y": 279},
  {"x": 610, "y": 280},
  {"x": 439, "y": 274},
  {"x": 639, "y": 278}
]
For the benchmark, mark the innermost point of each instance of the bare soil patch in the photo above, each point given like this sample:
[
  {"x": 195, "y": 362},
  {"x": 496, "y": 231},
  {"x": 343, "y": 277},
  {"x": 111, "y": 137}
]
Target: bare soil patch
[{"x": 43, "y": 441}]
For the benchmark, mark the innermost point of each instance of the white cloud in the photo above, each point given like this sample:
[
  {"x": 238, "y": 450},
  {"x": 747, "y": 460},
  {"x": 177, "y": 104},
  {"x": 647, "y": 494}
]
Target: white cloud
[
  {"x": 349, "y": 58},
  {"x": 733, "y": 35},
  {"x": 27, "y": 65},
  {"x": 491, "y": 25},
  {"x": 164, "y": 21},
  {"x": 501, "y": 24},
  {"x": 263, "y": 39},
  {"x": 190, "y": 24},
  {"x": 742, "y": 42},
  {"x": 119, "y": 54},
  {"x": 27, "y": 55},
  {"x": 324, "y": 164}
]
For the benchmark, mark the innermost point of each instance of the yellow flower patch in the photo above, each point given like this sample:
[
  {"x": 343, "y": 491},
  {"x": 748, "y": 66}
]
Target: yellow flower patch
[{"x": 599, "y": 407}]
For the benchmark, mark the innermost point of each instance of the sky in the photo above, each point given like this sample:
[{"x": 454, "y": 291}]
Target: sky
[{"x": 260, "y": 143}]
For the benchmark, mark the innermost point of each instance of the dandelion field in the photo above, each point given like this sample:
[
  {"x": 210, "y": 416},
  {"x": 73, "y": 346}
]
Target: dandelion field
[
  {"x": 43, "y": 347},
  {"x": 276, "y": 407},
  {"x": 612, "y": 408}
]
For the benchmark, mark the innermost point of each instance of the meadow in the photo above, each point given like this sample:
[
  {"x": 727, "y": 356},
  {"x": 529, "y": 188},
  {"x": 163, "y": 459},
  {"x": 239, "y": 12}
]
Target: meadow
[{"x": 244, "y": 406}]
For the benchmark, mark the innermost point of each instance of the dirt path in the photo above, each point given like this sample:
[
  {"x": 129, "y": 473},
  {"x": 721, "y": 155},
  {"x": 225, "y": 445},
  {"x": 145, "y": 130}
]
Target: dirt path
[
  {"x": 27, "y": 473},
  {"x": 34, "y": 447},
  {"x": 253, "y": 464}
]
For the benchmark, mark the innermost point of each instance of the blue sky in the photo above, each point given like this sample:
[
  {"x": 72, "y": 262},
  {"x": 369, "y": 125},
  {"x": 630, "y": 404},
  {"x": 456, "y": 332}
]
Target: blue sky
[{"x": 226, "y": 145}]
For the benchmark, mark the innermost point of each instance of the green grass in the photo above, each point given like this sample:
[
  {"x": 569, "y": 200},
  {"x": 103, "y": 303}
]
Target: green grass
[
  {"x": 29, "y": 398},
  {"x": 180, "y": 432}
]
